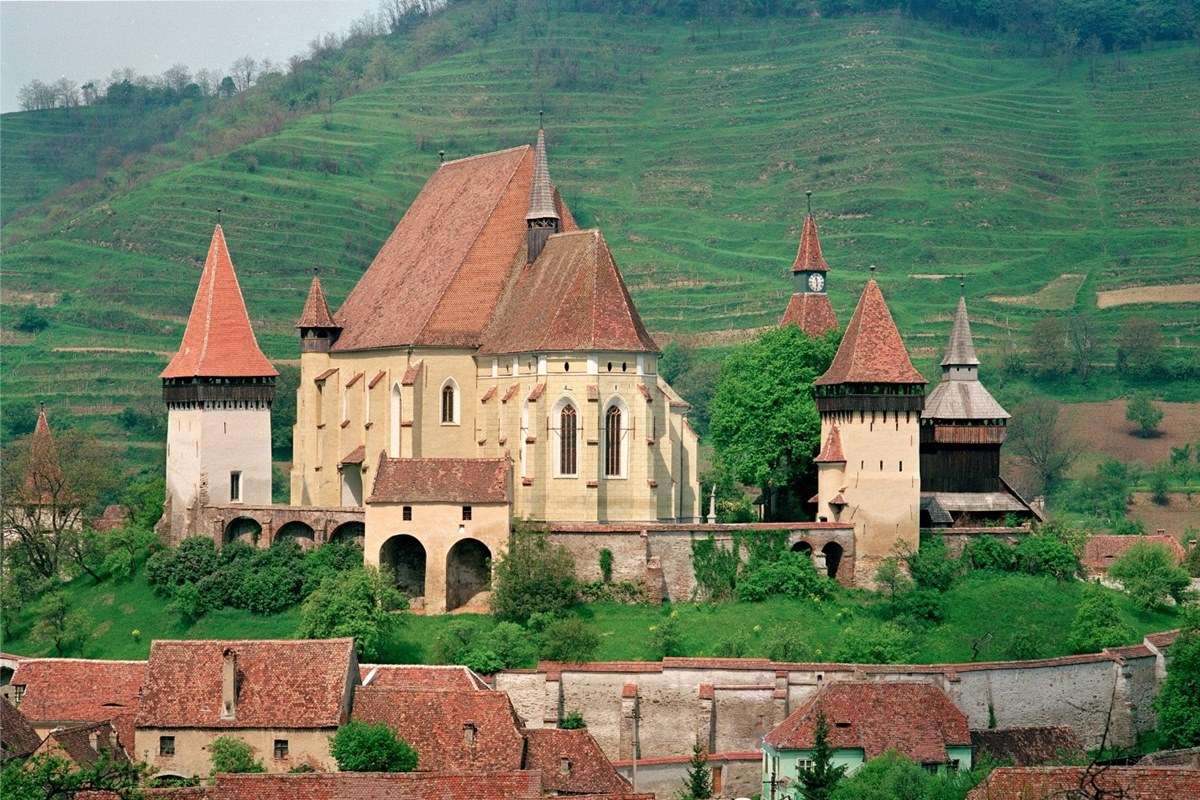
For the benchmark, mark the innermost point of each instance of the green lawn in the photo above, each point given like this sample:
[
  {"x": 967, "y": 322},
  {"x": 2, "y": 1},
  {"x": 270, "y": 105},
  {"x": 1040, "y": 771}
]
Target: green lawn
[{"x": 988, "y": 607}]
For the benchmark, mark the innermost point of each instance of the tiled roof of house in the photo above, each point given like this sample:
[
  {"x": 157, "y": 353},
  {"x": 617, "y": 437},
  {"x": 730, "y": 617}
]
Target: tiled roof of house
[
  {"x": 1127, "y": 783},
  {"x": 284, "y": 684},
  {"x": 219, "y": 341},
  {"x": 316, "y": 308},
  {"x": 83, "y": 744},
  {"x": 571, "y": 762},
  {"x": 457, "y": 785},
  {"x": 1027, "y": 746},
  {"x": 812, "y": 312},
  {"x": 1102, "y": 550},
  {"x": 871, "y": 350},
  {"x": 831, "y": 452},
  {"x": 916, "y": 719},
  {"x": 571, "y": 298},
  {"x": 17, "y": 737},
  {"x": 74, "y": 690},
  {"x": 449, "y": 480},
  {"x": 450, "y": 730},
  {"x": 808, "y": 256},
  {"x": 417, "y": 676}
]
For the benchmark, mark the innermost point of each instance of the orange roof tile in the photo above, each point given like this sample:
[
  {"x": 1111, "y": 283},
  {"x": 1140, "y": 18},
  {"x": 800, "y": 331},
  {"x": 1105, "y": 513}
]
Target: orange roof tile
[
  {"x": 871, "y": 350},
  {"x": 316, "y": 308},
  {"x": 1102, "y": 550},
  {"x": 1128, "y": 783},
  {"x": 17, "y": 737},
  {"x": 63, "y": 690},
  {"x": 219, "y": 340},
  {"x": 812, "y": 312},
  {"x": 418, "y": 676},
  {"x": 447, "y": 480},
  {"x": 571, "y": 762},
  {"x": 832, "y": 453},
  {"x": 808, "y": 257}
]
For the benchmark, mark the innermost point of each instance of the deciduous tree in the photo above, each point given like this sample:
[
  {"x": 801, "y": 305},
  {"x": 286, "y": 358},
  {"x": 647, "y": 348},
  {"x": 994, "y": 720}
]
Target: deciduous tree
[
  {"x": 230, "y": 754},
  {"x": 1139, "y": 347},
  {"x": 1178, "y": 701},
  {"x": 1141, "y": 411},
  {"x": 1150, "y": 576},
  {"x": 361, "y": 603},
  {"x": 371, "y": 747},
  {"x": 1035, "y": 435},
  {"x": 533, "y": 575}
]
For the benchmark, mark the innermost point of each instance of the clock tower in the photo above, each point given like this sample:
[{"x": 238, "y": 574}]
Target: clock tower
[{"x": 809, "y": 307}]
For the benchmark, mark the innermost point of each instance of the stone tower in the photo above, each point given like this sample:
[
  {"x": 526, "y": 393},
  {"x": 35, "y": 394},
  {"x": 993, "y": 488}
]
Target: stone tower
[
  {"x": 218, "y": 389},
  {"x": 809, "y": 307},
  {"x": 318, "y": 333},
  {"x": 868, "y": 470}
]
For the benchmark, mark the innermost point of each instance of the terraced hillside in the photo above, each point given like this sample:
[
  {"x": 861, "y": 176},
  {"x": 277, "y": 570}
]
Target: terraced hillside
[{"x": 931, "y": 154}]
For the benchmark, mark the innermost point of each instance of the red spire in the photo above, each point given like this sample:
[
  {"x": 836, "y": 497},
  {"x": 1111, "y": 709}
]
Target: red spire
[
  {"x": 872, "y": 350},
  {"x": 44, "y": 476},
  {"x": 808, "y": 257},
  {"x": 42, "y": 428},
  {"x": 832, "y": 453},
  {"x": 316, "y": 309},
  {"x": 218, "y": 341},
  {"x": 812, "y": 312}
]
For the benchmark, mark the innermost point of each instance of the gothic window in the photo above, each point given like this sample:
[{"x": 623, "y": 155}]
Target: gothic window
[
  {"x": 612, "y": 441},
  {"x": 567, "y": 440},
  {"x": 449, "y": 403}
]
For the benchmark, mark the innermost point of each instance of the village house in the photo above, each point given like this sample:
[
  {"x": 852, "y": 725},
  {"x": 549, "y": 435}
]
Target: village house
[
  {"x": 18, "y": 739},
  {"x": 57, "y": 693},
  {"x": 1126, "y": 783},
  {"x": 83, "y": 745}
]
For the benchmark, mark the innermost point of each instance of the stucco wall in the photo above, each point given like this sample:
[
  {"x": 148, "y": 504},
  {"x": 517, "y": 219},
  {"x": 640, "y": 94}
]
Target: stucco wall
[{"x": 193, "y": 754}]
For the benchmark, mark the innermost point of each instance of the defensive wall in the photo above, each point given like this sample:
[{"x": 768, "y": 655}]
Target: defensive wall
[
  {"x": 263, "y": 525},
  {"x": 661, "y": 709}
]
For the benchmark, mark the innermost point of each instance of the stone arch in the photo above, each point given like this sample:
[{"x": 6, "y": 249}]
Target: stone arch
[
  {"x": 833, "y": 557},
  {"x": 404, "y": 555},
  {"x": 803, "y": 546},
  {"x": 352, "y": 531},
  {"x": 468, "y": 572},
  {"x": 302, "y": 532},
  {"x": 242, "y": 529}
]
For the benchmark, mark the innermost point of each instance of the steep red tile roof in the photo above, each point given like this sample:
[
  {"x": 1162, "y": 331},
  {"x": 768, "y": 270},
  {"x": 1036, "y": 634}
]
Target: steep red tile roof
[
  {"x": 436, "y": 724},
  {"x": 316, "y": 308},
  {"x": 219, "y": 341},
  {"x": 1027, "y": 746},
  {"x": 75, "y": 743},
  {"x": 1102, "y": 550},
  {"x": 66, "y": 690},
  {"x": 872, "y": 350},
  {"x": 416, "y": 676},
  {"x": 572, "y": 298},
  {"x": 449, "y": 480},
  {"x": 571, "y": 762},
  {"x": 808, "y": 257},
  {"x": 355, "y": 456},
  {"x": 458, "y": 785},
  {"x": 832, "y": 453},
  {"x": 812, "y": 312},
  {"x": 411, "y": 372},
  {"x": 44, "y": 479},
  {"x": 17, "y": 737},
  {"x": 1128, "y": 783},
  {"x": 916, "y": 719},
  {"x": 282, "y": 684}
]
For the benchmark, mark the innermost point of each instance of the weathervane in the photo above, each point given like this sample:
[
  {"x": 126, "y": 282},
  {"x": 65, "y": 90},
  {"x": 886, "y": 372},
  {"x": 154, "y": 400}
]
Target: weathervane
[{"x": 808, "y": 194}]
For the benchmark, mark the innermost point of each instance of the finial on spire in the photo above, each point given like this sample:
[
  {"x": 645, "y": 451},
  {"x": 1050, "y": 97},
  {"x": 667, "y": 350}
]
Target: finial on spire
[
  {"x": 541, "y": 118},
  {"x": 872, "y": 268},
  {"x": 218, "y": 216},
  {"x": 808, "y": 194},
  {"x": 441, "y": 156},
  {"x": 316, "y": 271}
]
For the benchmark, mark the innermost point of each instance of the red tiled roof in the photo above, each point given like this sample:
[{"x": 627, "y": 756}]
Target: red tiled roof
[
  {"x": 458, "y": 785},
  {"x": 17, "y": 737},
  {"x": 44, "y": 479},
  {"x": 415, "y": 676},
  {"x": 1128, "y": 783},
  {"x": 411, "y": 372},
  {"x": 449, "y": 480},
  {"x": 66, "y": 690},
  {"x": 436, "y": 724},
  {"x": 916, "y": 719},
  {"x": 282, "y": 684},
  {"x": 872, "y": 350},
  {"x": 1102, "y": 550},
  {"x": 316, "y": 309},
  {"x": 572, "y": 298},
  {"x": 812, "y": 312},
  {"x": 219, "y": 341},
  {"x": 115, "y": 516},
  {"x": 832, "y": 453},
  {"x": 571, "y": 762},
  {"x": 75, "y": 743},
  {"x": 808, "y": 256},
  {"x": 355, "y": 456},
  {"x": 1027, "y": 746}
]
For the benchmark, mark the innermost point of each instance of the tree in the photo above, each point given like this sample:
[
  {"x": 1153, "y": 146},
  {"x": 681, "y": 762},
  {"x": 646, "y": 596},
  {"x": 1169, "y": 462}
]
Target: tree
[
  {"x": 230, "y": 754},
  {"x": 243, "y": 72},
  {"x": 891, "y": 776},
  {"x": 1084, "y": 338},
  {"x": 573, "y": 721},
  {"x": 790, "y": 575},
  {"x": 1150, "y": 576},
  {"x": 697, "y": 782},
  {"x": 361, "y": 603},
  {"x": 869, "y": 642},
  {"x": 177, "y": 77},
  {"x": 569, "y": 639},
  {"x": 1139, "y": 347},
  {"x": 1141, "y": 411},
  {"x": 1035, "y": 435},
  {"x": 1046, "y": 553},
  {"x": 533, "y": 575},
  {"x": 60, "y": 626},
  {"x": 765, "y": 426},
  {"x": 371, "y": 747},
  {"x": 675, "y": 360},
  {"x": 1049, "y": 351},
  {"x": 818, "y": 781},
  {"x": 1097, "y": 623},
  {"x": 55, "y": 778},
  {"x": 1178, "y": 700},
  {"x": 930, "y": 564},
  {"x": 227, "y": 88}
]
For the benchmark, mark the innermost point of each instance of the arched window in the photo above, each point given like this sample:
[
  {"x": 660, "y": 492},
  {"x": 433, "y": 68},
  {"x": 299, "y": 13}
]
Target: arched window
[
  {"x": 449, "y": 403},
  {"x": 612, "y": 441},
  {"x": 567, "y": 432},
  {"x": 394, "y": 421}
]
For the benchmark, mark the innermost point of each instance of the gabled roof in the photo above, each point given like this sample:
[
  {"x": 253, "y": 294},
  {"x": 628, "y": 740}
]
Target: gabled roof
[
  {"x": 219, "y": 341},
  {"x": 572, "y": 298},
  {"x": 962, "y": 400},
  {"x": 831, "y": 452},
  {"x": 1027, "y": 746},
  {"x": 871, "y": 350},
  {"x": 73, "y": 690},
  {"x": 316, "y": 308},
  {"x": 1127, "y": 783},
  {"x": 76, "y": 744},
  {"x": 571, "y": 762},
  {"x": 916, "y": 719},
  {"x": 420, "y": 676},
  {"x": 811, "y": 311},
  {"x": 809, "y": 257},
  {"x": 436, "y": 724},
  {"x": 1102, "y": 550},
  {"x": 281, "y": 684},
  {"x": 17, "y": 737},
  {"x": 961, "y": 351},
  {"x": 541, "y": 195},
  {"x": 446, "y": 480}
]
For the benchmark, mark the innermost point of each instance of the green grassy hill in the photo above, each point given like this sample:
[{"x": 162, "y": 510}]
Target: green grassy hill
[{"x": 931, "y": 153}]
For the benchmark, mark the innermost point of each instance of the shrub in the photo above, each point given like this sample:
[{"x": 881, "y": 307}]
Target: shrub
[
  {"x": 1104, "y": 493},
  {"x": 891, "y": 776},
  {"x": 890, "y": 577},
  {"x": 454, "y": 641},
  {"x": 533, "y": 575},
  {"x": 715, "y": 568},
  {"x": 1025, "y": 645},
  {"x": 789, "y": 643},
  {"x": 869, "y": 642},
  {"x": 572, "y": 722},
  {"x": 1150, "y": 576},
  {"x": 735, "y": 645},
  {"x": 1178, "y": 701},
  {"x": 791, "y": 575},
  {"x": 359, "y": 603},
  {"x": 193, "y": 558},
  {"x": 1159, "y": 480},
  {"x": 569, "y": 639},
  {"x": 1191, "y": 562},
  {"x": 189, "y": 603},
  {"x": 32, "y": 320},
  {"x": 482, "y": 660},
  {"x": 1047, "y": 554},
  {"x": 606, "y": 564},
  {"x": 918, "y": 604},
  {"x": 1141, "y": 411},
  {"x": 989, "y": 552},
  {"x": 931, "y": 566},
  {"x": 1097, "y": 623},
  {"x": 371, "y": 747},
  {"x": 511, "y": 643},
  {"x": 485, "y": 649},
  {"x": 665, "y": 638},
  {"x": 230, "y": 754}
]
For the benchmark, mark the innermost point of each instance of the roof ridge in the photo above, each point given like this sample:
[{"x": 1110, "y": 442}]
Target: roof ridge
[{"x": 482, "y": 155}]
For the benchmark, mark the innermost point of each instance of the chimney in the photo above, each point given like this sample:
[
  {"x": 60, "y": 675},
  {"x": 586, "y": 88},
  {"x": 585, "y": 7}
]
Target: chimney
[{"x": 229, "y": 684}]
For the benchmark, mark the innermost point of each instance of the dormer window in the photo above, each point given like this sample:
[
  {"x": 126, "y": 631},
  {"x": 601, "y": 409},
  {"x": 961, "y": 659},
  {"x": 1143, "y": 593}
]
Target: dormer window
[
  {"x": 469, "y": 733},
  {"x": 564, "y": 766}
]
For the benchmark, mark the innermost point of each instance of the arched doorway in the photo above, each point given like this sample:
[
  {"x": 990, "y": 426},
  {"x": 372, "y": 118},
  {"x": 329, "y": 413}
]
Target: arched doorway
[
  {"x": 242, "y": 529},
  {"x": 803, "y": 547},
  {"x": 354, "y": 532},
  {"x": 833, "y": 558},
  {"x": 299, "y": 531},
  {"x": 404, "y": 555},
  {"x": 468, "y": 572}
]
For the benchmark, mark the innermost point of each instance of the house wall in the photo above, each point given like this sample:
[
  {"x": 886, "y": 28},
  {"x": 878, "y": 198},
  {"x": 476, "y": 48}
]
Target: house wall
[
  {"x": 783, "y": 767},
  {"x": 193, "y": 755}
]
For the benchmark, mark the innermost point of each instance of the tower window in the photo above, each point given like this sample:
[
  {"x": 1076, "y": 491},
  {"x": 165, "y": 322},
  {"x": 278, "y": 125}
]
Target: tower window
[
  {"x": 466, "y": 513},
  {"x": 235, "y": 487},
  {"x": 612, "y": 441},
  {"x": 902, "y": 466},
  {"x": 406, "y": 513},
  {"x": 567, "y": 434},
  {"x": 881, "y": 466}
]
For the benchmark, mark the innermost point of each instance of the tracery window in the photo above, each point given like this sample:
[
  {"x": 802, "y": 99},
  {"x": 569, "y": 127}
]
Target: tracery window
[
  {"x": 449, "y": 403},
  {"x": 567, "y": 436},
  {"x": 612, "y": 441}
]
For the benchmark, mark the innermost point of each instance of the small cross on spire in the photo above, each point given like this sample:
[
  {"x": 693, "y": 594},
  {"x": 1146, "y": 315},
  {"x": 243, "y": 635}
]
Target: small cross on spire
[
  {"x": 541, "y": 119},
  {"x": 441, "y": 156},
  {"x": 872, "y": 268},
  {"x": 962, "y": 280},
  {"x": 808, "y": 194},
  {"x": 218, "y": 216}
]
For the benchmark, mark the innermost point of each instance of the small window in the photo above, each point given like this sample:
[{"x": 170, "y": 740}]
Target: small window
[
  {"x": 18, "y": 693},
  {"x": 466, "y": 513},
  {"x": 235, "y": 487},
  {"x": 881, "y": 466},
  {"x": 166, "y": 745},
  {"x": 564, "y": 766},
  {"x": 469, "y": 731},
  {"x": 566, "y": 366},
  {"x": 610, "y": 366},
  {"x": 902, "y": 466},
  {"x": 406, "y": 513},
  {"x": 281, "y": 748},
  {"x": 449, "y": 404},
  {"x": 624, "y": 367}
]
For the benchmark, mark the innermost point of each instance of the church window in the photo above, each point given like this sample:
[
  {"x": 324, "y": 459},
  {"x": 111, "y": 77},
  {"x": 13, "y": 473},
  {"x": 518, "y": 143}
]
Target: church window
[
  {"x": 624, "y": 367},
  {"x": 235, "y": 487},
  {"x": 610, "y": 366},
  {"x": 449, "y": 403},
  {"x": 612, "y": 441},
  {"x": 567, "y": 440},
  {"x": 566, "y": 366}
]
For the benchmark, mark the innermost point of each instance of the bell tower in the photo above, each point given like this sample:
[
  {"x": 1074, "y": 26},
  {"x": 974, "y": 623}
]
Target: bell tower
[
  {"x": 809, "y": 307},
  {"x": 542, "y": 220}
]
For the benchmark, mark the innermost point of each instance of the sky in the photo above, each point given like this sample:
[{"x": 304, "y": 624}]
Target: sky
[{"x": 88, "y": 40}]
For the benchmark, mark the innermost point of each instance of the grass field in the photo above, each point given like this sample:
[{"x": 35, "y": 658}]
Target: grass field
[
  {"x": 989, "y": 608},
  {"x": 930, "y": 152}
]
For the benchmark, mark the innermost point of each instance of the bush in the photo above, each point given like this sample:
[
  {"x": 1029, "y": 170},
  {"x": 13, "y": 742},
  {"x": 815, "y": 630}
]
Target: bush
[
  {"x": 189, "y": 603},
  {"x": 230, "y": 754},
  {"x": 606, "y": 564},
  {"x": 891, "y": 776},
  {"x": 665, "y": 638},
  {"x": 989, "y": 552},
  {"x": 359, "y": 603},
  {"x": 371, "y": 747},
  {"x": 167, "y": 569},
  {"x": 735, "y": 645},
  {"x": 1025, "y": 645},
  {"x": 485, "y": 649},
  {"x": 1097, "y": 623},
  {"x": 1150, "y": 576},
  {"x": 789, "y": 643},
  {"x": 931, "y": 566},
  {"x": 919, "y": 605},
  {"x": 868, "y": 642},
  {"x": 1047, "y": 554},
  {"x": 1141, "y": 411},
  {"x": 791, "y": 575},
  {"x": 569, "y": 639},
  {"x": 572, "y": 722},
  {"x": 533, "y": 575},
  {"x": 1178, "y": 701},
  {"x": 1159, "y": 480},
  {"x": 32, "y": 320},
  {"x": 1191, "y": 562}
]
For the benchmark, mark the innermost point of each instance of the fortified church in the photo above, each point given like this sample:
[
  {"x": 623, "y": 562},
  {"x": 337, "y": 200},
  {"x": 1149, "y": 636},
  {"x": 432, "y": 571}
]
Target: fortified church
[{"x": 491, "y": 365}]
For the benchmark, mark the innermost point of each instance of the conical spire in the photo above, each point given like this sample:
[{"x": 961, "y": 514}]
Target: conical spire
[
  {"x": 219, "y": 341},
  {"x": 872, "y": 350},
  {"x": 832, "y": 452},
  {"x": 42, "y": 428},
  {"x": 541, "y": 194},
  {"x": 809, "y": 257},
  {"x": 316, "y": 308},
  {"x": 44, "y": 476},
  {"x": 961, "y": 352}
]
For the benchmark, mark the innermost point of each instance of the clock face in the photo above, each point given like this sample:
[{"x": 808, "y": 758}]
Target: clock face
[{"x": 816, "y": 281}]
